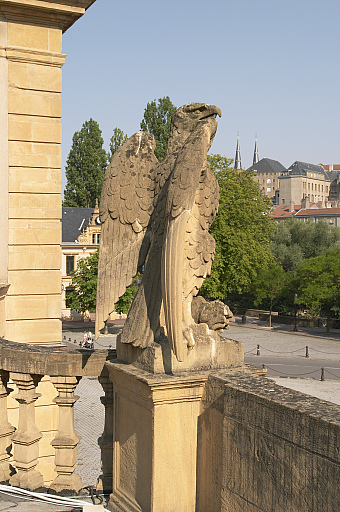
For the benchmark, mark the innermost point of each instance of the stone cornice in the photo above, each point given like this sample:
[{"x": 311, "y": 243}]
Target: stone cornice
[
  {"x": 19, "y": 54},
  {"x": 55, "y": 14}
]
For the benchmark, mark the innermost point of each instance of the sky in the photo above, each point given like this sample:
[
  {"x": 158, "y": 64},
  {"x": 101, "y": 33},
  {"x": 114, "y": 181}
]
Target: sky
[{"x": 272, "y": 66}]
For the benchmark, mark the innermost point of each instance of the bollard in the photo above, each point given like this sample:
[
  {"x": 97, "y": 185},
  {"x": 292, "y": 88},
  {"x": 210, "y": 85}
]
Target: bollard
[
  {"x": 307, "y": 353},
  {"x": 263, "y": 366},
  {"x": 322, "y": 374},
  {"x": 244, "y": 319},
  {"x": 258, "y": 350}
]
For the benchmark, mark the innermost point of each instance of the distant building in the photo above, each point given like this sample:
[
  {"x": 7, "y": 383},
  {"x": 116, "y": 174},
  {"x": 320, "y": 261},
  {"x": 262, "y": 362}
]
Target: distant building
[
  {"x": 80, "y": 238},
  {"x": 333, "y": 171},
  {"x": 322, "y": 211},
  {"x": 268, "y": 172},
  {"x": 303, "y": 180},
  {"x": 237, "y": 164}
]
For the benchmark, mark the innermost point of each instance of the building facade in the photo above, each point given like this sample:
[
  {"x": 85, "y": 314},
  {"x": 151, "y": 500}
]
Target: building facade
[
  {"x": 80, "y": 239},
  {"x": 268, "y": 173},
  {"x": 303, "y": 180}
]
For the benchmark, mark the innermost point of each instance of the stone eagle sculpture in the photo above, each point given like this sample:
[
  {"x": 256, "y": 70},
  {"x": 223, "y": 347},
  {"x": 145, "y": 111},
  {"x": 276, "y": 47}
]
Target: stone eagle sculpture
[{"x": 155, "y": 216}]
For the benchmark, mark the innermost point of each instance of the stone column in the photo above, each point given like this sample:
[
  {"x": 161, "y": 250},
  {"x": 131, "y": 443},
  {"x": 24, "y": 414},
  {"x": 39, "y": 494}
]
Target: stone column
[
  {"x": 30, "y": 160},
  {"x": 26, "y": 438},
  {"x": 106, "y": 440},
  {"x": 6, "y": 429},
  {"x": 65, "y": 443}
]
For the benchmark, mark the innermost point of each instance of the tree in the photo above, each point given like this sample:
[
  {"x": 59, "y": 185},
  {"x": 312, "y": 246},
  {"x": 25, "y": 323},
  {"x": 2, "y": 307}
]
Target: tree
[
  {"x": 294, "y": 241},
  {"x": 317, "y": 283},
  {"x": 269, "y": 284},
  {"x": 242, "y": 230},
  {"x": 157, "y": 121},
  {"x": 84, "y": 282},
  {"x": 116, "y": 141},
  {"x": 85, "y": 167}
]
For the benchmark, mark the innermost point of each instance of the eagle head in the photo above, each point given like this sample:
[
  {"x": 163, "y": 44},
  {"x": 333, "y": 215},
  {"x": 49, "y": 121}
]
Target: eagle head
[{"x": 188, "y": 118}]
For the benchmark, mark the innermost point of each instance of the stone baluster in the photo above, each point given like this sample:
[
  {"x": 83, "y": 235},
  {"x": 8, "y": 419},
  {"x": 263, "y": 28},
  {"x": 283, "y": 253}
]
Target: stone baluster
[
  {"x": 106, "y": 440},
  {"x": 6, "y": 429},
  {"x": 65, "y": 443},
  {"x": 26, "y": 438}
]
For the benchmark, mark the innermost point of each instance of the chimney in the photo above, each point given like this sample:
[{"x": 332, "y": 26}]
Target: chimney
[
  {"x": 305, "y": 203},
  {"x": 291, "y": 205}
]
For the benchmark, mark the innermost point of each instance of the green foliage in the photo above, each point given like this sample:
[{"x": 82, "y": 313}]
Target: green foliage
[
  {"x": 295, "y": 240},
  {"x": 116, "y": 141},
  {"x": 157, "y": 121},
  {"x": 269, "y": 284},
  {"x": 84, "y": 281},
  {"x": 124, "y": 303},
  {"x": 85, "y": 167},
  {"x": 317, "y": 283},
  {"x": 242, "y": 230}
]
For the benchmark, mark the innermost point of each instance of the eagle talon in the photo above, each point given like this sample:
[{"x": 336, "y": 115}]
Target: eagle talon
[{"x": 189, "y": 336}]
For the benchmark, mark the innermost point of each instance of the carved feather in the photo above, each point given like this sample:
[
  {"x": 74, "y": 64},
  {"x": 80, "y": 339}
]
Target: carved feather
[{"x": 125, "y": 209}]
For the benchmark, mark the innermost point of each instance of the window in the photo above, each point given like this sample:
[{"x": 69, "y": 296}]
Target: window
[
  {"x": 269, "y": 180},
  {"x": 95, "y": 238},
  {"x": 69, "y": 265},
  {"x": 269, "y": 189}
]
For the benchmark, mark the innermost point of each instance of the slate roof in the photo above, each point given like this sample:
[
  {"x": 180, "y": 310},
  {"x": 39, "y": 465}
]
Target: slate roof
[
  {"x": 267, "y": 165},
  {"x": 74, "y": 221},
  {"x": 301, "y": 169}
]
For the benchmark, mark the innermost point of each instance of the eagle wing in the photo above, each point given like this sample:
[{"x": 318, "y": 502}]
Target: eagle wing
[
  {"x": 125, "y": 208},
  {"x": 183, "y": 210}
]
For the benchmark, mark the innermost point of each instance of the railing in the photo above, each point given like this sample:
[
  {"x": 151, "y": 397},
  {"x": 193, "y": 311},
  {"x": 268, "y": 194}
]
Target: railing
[{"x": 25, "y": 365}]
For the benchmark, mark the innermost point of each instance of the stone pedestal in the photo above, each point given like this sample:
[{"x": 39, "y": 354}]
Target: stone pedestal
[
  {"x": 211, "y": 351},
  {"x": 155, "y": 439}
]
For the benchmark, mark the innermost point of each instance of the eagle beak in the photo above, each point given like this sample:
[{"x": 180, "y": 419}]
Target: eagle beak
[{"x": 211, "y": 110}]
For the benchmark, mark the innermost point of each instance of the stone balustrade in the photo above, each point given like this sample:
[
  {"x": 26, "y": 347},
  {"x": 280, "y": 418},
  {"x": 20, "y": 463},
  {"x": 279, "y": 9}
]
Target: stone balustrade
[{"x": 22, "y": 367}]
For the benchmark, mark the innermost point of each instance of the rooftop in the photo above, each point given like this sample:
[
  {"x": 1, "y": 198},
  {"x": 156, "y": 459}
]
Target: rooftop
[
  {"x": 74, "y": 221},
  {"x": 267, "y": 165}
]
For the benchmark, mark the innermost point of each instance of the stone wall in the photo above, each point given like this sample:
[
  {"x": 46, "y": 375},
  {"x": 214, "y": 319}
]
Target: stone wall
[{"x": 266, "y": 448}]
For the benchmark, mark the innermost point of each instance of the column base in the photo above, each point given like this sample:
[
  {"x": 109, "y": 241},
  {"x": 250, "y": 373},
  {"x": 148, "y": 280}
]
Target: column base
[
  {"x": 67, "y": 483},
  {"x": 29, "y": 480},
  {"x": 4, "y": 471}
]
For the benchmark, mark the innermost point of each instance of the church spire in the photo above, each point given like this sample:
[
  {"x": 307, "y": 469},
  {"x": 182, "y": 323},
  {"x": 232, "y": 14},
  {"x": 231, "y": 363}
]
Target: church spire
[
  {"x": 256, "y": 153},
  {"x": 238, "y": 154}
]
